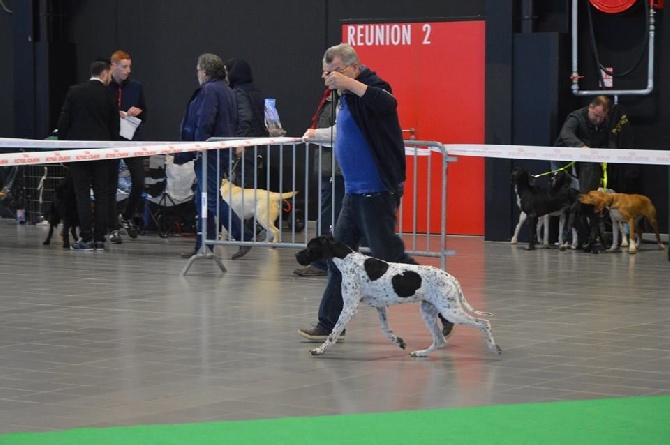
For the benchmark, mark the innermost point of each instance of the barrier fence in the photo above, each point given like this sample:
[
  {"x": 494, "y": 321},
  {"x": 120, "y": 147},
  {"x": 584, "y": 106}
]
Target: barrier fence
[
  {"x": 422, "y": 214},
  {"x": 296, "y": 166}
]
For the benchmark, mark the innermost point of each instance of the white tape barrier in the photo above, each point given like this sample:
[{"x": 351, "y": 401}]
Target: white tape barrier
[
  {"x": 97, "y": 150},
  {"x": 610, "y": 155},
  {"x": 71, "y": 151}
]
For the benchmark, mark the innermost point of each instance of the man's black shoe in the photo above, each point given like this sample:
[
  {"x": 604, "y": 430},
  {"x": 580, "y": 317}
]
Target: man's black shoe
[
  {"x": 129, "y": 226},
  {"x": 243, "y": 250}
]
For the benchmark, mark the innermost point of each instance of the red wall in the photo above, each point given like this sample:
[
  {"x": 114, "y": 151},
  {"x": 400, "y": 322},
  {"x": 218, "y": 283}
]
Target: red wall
[{"x": 436, "y": 71}]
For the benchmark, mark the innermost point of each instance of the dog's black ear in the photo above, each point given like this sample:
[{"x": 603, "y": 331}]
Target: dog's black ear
[
  {"x": 333, "y": 248},
  {"x": 520, "y": 176},
  {"x": 319, "y": 247}
]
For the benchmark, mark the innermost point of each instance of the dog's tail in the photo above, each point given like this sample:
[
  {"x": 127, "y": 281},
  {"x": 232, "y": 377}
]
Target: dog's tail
[
  {"x": 464, "y": 302},
  {"x": 283, "y": 195}
]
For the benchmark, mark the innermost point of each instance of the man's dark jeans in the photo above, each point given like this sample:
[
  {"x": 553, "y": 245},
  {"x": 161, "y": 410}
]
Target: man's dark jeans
[
  {"x": 134, "y": 203},
  {"x": 113, "y": 184},
  {"x": 372, "y": 216},
  {"x": 327, "y": 208}
]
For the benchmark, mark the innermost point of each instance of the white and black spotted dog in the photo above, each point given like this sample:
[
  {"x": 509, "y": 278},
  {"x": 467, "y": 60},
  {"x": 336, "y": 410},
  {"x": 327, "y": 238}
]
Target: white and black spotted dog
[{"x": 380, "y": 284}]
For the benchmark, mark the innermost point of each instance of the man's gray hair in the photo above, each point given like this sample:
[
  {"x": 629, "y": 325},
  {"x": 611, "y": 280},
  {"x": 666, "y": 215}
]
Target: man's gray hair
[
  {"x": 345, "y": 51},
  {"x": 213, "y": 66}
]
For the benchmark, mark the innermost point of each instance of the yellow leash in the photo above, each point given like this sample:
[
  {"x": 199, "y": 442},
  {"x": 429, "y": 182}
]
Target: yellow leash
[
  {"x": 603, "y": 179},
  {"x": 565, "y": 167}
]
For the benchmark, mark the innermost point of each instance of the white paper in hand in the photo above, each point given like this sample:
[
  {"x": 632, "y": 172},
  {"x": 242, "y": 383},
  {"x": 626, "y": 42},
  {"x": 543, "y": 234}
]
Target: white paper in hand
[{"x": 128, "y": 126}]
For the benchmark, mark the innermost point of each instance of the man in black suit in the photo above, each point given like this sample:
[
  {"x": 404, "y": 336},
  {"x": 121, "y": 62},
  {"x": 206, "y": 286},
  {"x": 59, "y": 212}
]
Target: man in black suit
[{"x": 90, "y": 113}]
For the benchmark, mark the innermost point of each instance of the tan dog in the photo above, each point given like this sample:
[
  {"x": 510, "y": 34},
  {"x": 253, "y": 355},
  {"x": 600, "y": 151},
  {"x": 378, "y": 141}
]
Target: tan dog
[
  {"x": 263, "y": 204},
  {"x": 625, "y": 207}
]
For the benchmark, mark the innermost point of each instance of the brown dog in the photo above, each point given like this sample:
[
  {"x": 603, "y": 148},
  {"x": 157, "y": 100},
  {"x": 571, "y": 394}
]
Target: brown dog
[{"x": 625, "y": 207}]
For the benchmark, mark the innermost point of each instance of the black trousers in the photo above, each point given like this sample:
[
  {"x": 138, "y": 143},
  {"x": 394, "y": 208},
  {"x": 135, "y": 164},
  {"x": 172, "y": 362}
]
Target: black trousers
[
  {"x": 92, "y": 218},
  {"x": 136, "y": 170},
  {"x": 112, "y": 186}
]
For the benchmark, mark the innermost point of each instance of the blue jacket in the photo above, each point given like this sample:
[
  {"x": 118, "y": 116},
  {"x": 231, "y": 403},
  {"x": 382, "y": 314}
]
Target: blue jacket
[{"x": 210, "y": 113}]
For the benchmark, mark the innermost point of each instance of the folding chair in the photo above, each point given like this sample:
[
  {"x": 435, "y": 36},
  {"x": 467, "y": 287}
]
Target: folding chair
[{"x": 170, "y": 195}]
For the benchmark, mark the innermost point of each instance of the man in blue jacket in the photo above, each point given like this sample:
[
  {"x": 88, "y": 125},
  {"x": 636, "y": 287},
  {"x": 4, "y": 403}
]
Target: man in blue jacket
[
  {"x": 371, "y": 152},
  {"x": 210, "y": 113}
]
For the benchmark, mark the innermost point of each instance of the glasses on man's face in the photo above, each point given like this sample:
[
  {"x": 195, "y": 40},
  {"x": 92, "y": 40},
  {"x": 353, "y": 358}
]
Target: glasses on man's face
[{"x": 336, "y": 70}]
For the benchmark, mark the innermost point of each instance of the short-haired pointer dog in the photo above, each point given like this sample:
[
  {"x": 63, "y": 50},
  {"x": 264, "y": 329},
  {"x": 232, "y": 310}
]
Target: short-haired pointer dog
[{"x": 380, "y": 284}]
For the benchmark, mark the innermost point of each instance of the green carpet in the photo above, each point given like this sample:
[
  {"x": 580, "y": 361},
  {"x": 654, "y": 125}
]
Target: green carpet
[{"x": 606, "y": 421}]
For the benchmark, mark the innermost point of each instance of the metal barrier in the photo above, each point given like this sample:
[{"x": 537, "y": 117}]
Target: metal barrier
[{"x": 287, "y": 167}]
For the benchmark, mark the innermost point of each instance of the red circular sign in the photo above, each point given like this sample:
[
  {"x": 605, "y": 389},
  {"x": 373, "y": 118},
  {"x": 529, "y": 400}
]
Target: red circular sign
[{"x": 612, "y": 6}]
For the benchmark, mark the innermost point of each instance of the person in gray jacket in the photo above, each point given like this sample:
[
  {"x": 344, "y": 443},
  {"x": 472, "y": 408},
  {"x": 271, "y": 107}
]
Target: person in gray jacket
[{"x": 324, "y": 128}]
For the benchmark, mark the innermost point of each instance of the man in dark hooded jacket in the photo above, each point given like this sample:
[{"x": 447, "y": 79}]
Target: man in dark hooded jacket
[
  {"x": 588, "y": 127},
  {"x": 371, "y": 152},
  {"x": 250, "y": 118}
]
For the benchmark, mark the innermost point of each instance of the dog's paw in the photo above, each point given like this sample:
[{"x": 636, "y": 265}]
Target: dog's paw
[
  {"x": 422, "y": 353},
  {"x": 529, "y": 248},
  {"x": 496, "y": 349},
  {"x": 316, "y": 351},
  {"x": 401, "y": 343}
]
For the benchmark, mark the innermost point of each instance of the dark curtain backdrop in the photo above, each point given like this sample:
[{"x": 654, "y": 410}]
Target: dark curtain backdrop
[
  {"x": 284, "y": 42},
  {"x": 6, "y": 76}
]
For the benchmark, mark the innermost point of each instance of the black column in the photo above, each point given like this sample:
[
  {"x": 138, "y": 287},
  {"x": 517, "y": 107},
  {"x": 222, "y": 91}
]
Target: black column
[
  {"x": 44, "y": 66},
  {"x": 499, "y": 58},
  {"x": 24, "y": 68}
]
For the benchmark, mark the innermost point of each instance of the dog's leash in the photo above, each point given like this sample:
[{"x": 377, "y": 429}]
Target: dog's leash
[
  {"x": 232, "y": 173},
  {"x": 603, "y": 179},
  {"x": 565, "y": 167}
]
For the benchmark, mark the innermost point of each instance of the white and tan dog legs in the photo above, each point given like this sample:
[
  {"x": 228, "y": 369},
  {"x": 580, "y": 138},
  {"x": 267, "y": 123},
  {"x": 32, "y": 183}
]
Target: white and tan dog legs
[
  {"x": 348, "y": 311},
  {"x": 383, "y": 320},
  {"x": 429, "y": 315}
]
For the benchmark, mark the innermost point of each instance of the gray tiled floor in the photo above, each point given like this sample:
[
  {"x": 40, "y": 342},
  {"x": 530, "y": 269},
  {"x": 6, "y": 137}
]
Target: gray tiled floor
[{"x": 119, "y": 338}]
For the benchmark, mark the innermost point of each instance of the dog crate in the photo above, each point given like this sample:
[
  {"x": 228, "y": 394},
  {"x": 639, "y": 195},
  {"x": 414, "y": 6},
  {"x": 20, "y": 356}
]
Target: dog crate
[{"x": 39, "y": 185}]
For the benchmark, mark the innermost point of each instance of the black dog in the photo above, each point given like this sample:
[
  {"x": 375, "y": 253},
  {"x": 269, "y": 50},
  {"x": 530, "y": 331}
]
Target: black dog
[
  {"x": 588, "y": 223},
  {"x": 63, "y": 208},
  {"x": 536, "y": 201}
]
